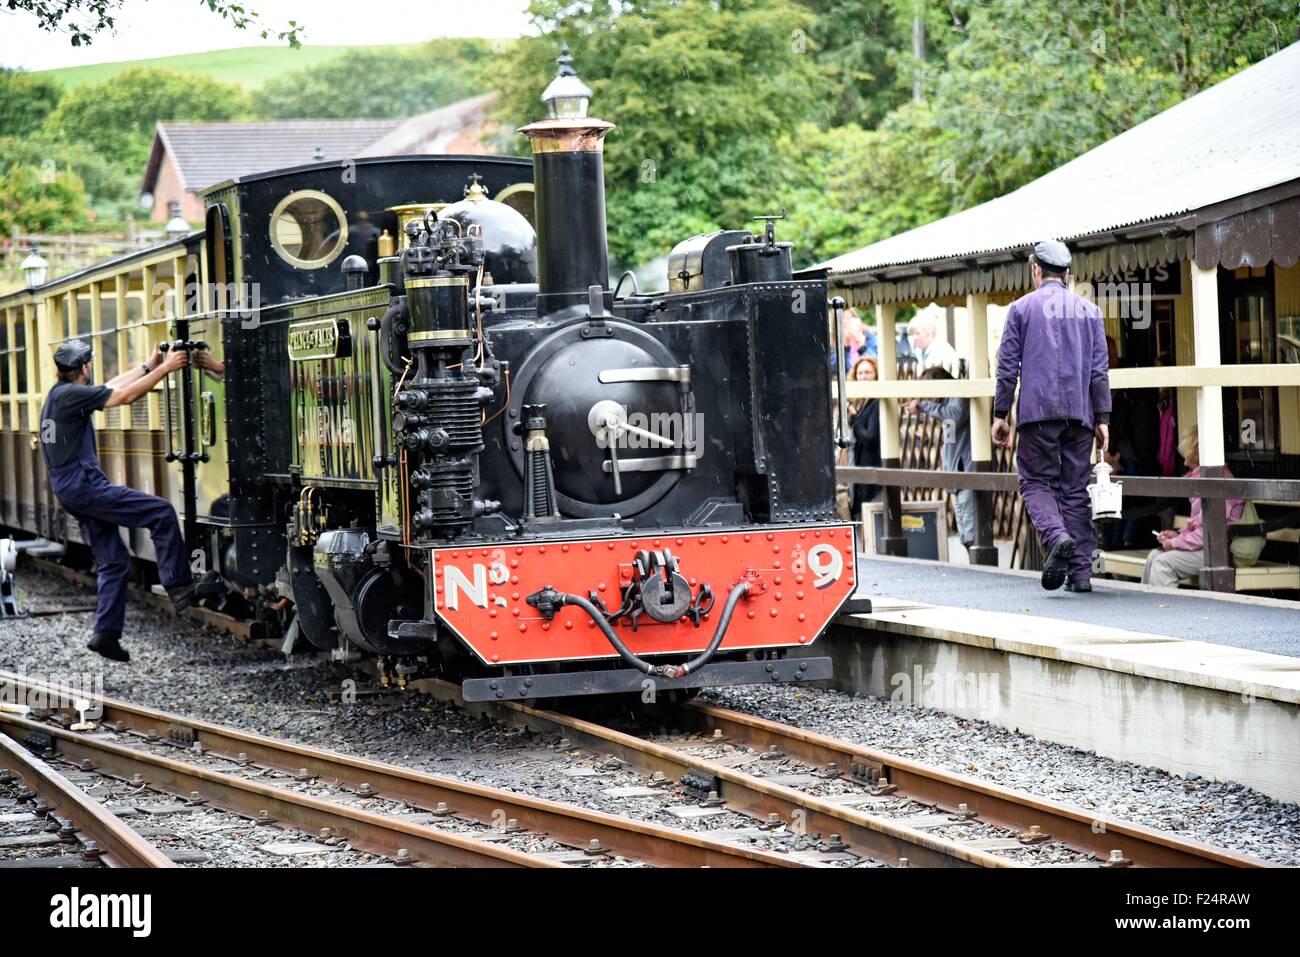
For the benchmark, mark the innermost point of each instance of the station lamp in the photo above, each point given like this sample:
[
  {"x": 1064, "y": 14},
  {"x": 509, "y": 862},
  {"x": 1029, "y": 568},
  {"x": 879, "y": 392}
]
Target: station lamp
[
  {"x": 34, "y": 268},
  {"x": 176, "y": 227}
]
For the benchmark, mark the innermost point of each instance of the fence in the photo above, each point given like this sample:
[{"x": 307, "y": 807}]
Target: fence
[{"x": 69, "y": 253}]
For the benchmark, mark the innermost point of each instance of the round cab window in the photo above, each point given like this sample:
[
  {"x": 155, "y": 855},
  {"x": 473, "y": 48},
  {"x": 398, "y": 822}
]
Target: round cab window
[{"x": 308, "y": 229}]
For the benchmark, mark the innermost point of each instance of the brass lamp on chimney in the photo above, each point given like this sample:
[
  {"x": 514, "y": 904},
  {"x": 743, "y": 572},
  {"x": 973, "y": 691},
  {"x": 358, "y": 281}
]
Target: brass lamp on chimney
[{"x": 569, "y": 180}]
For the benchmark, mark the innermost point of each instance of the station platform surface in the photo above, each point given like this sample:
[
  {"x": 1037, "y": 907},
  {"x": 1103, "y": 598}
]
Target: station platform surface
[{"x": 1256, "y": 623}]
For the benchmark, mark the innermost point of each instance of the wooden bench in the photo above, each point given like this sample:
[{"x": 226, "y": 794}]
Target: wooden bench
[{"x": 1262, "y": 576}]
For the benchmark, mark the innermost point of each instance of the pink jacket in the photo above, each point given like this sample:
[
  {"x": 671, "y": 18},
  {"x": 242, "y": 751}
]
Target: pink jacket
[{"x": 1191, "y": 537}]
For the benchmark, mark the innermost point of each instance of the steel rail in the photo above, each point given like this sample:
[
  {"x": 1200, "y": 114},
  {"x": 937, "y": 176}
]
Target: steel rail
[
  {"x": 875, "y": 837},
  {"x": 1016, "y": 810},
  {"x": 377, "y": 833},
  {"x": 563, "y": 823},
  {"x": 121, "y": 846}
]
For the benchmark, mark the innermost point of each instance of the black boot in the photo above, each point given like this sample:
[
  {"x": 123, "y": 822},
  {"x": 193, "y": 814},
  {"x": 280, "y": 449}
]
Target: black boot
[
  {"x": 1057, "y": 565},
  {"x": 108, "y": 642},
  {"x": 183, "y": 596},
  {"x": 1081, "y": 585}
]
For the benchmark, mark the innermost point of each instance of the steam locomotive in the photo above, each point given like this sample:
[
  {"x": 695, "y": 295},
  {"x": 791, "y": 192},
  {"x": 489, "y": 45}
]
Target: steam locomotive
[{"x": 463, "y": 454}]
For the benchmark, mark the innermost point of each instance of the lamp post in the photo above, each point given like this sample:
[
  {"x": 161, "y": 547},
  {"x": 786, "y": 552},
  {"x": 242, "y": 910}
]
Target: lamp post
[{"x": 34, "y": 268}]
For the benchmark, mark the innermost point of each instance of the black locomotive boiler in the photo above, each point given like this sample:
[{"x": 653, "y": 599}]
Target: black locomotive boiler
[{"x": 441, "y": 439}]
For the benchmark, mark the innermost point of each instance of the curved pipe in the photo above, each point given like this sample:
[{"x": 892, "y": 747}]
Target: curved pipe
[
  {"x": 636, "y": 287},
  {"x": 738, "y": 591}
]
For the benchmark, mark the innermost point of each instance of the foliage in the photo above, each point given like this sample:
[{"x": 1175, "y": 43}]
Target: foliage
[
  {"x": 701, "y": 92},
  {"x": 1024, "y": 89},
  {"x": 24, "y": 101},
  {"x": 109, "y": 190},
  {"x": 116, "y": 118},
  {"x": 725, "y": 108},
  {"x": 83, "y": 20},
  {"x": 867, "y": 47},
  {"x": 34, "y": 202},
  {"x": 377, "y": 83}
]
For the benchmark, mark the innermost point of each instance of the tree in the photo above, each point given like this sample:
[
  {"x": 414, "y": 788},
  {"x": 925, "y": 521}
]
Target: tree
[
  {"x": 24, "y": 101},
  {"x": 83, "y": 20},
  {"x": 700, "y": 90},
  {"x": 1023, "y": 89},
  {"x": 867, "y": 47},
  {"x": 376, "y": 83},
  {"x": 34, "y": 201},
  {"x": 109, "y": 191},
  {"x": 116, "y": 117}
]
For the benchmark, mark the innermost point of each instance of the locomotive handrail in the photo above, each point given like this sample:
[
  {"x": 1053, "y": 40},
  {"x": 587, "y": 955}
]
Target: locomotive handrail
[
  {"x": 257, "y": 310},
  {"x": 164, "y": 347},
  {"x": 845, "y": 438}
]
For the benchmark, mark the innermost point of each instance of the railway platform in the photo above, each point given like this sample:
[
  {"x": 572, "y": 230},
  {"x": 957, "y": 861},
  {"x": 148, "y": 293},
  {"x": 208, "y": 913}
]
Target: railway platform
[{"x": 1190, "y": 682}]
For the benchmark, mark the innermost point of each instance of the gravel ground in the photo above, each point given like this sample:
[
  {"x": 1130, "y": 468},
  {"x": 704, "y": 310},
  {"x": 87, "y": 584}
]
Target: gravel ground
[{"x": 181, "y": 666}]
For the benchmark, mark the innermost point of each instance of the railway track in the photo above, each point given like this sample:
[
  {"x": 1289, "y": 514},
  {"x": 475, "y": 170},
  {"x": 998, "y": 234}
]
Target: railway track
[
  {"x": 868, "y": 803},
  {"x": 1113, "y": 841},
  {"x": 875, "y": 803},
  {"x": 267, "y": 779},
  {"x": 51, "y": 812}
]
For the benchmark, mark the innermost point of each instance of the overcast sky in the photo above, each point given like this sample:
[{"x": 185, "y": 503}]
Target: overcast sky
[{"x": 151, "y": 28}]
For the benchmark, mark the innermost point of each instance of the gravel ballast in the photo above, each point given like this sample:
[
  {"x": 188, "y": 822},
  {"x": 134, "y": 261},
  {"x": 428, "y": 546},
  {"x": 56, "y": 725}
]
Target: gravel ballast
[{"x": 179, "y": 665}]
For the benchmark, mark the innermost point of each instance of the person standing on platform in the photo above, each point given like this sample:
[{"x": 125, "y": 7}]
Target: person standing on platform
[
  {"x": 865, "y": 423},
  {"x": 856, "y": 339},
  {"x": 955, "y": 453},
  {"x": 932, "y": 352},
  {"x": 1054, "y": 345},
  {"x": 102, "y": 508}
]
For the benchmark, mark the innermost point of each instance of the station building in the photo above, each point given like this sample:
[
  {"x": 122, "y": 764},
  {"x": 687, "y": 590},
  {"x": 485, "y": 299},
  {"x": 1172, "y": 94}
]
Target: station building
[{"x": 1186, "y": 231}]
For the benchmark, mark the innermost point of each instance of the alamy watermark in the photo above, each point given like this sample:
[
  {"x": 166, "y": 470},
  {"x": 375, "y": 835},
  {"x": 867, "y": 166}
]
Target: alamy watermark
[{"x": 54, "y": 691}]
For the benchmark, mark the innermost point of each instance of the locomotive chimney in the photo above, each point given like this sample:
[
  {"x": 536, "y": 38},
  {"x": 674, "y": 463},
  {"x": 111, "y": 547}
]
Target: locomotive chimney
[{"x": 569, "y": 192}]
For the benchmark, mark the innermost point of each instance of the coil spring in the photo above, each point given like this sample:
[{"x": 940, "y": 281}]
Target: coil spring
[{"x": 542, "y": 504}]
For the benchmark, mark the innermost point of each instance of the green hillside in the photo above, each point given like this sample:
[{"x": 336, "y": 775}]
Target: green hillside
[{"x": 248, "y": 66}]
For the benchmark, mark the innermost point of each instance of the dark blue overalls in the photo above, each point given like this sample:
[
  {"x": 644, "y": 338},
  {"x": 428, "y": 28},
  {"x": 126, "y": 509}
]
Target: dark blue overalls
[{"x": 103, "y": 509}]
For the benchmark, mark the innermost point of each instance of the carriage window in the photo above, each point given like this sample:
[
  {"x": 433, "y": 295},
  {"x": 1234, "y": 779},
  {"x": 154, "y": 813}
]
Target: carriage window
[
  {"x": 308, "y": 229},
  {"x": 4, "y": 353},
  {"x": 20, "y": 347},
  {"x": 108, "y": 326},
  {"x": 519, "y": 197}
]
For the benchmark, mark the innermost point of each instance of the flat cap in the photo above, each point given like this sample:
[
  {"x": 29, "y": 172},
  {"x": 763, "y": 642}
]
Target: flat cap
[
  {"x": 73, "y": 354},
  {"x": 1051, "y": 252}
]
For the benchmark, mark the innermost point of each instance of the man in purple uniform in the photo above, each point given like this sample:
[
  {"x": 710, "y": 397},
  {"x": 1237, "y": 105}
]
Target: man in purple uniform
[{"x": 1054, "y": 343}]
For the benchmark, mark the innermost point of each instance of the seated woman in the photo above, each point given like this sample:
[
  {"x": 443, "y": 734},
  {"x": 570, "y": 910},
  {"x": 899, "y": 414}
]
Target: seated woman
[{"x": 1182, "y": 553}]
